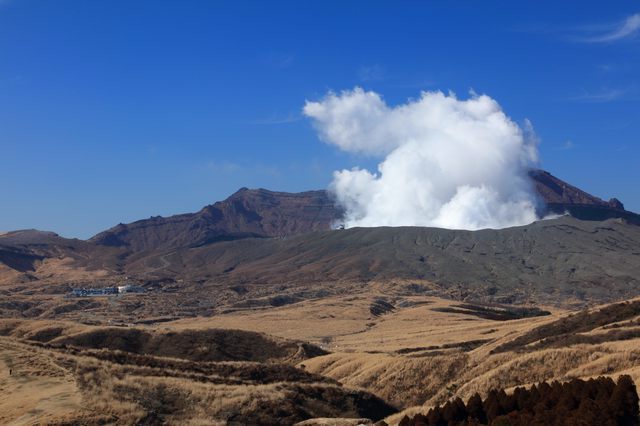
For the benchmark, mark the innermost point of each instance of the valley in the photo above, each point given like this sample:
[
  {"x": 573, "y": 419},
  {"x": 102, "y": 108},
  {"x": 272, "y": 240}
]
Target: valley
[
  {"x": 415, "y": 355},
  {"x": 255, "y": 313}
]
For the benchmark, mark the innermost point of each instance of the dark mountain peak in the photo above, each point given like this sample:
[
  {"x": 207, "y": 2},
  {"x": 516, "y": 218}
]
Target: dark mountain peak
[
  {"x": 561, "y": 197},
  {"x": 239, "y": 192},
  {"x": 263, "y": 192},
  {"x": 555, "y": 191},
  {"x": 265, "y": 213},
  {"x": 614, "y": 203},
  {"x": 29, "y": 236},
  {"x": 246, "y": 213}
]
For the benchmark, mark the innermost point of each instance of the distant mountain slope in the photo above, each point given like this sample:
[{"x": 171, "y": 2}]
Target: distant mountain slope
[
  {"x": 554, "y": 261},
  {"x": 247, "y": 213},
  {"x": 561, "y": 197},
  {"x": 263, "y": 213},
  {"x": 25, "y": 250},
  {"x": 232, "y": 242}
]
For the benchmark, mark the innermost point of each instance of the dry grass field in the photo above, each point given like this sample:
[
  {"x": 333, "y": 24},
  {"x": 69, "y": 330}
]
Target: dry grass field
[
  {"x": 34, "y": 388},
  {"x": 416, "y": 355},
  {"x": 346, "y": 323},
  {"x": 65, "y": 373},
  {"x": 325, "y": 357}
]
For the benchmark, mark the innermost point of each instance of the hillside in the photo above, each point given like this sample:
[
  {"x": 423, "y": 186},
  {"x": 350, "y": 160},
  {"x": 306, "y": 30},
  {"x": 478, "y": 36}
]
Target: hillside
[
  {"x": 61, "y": 374},
  {"x": 247, "y": 213},
  {"x": 261, "y": 249},
  {"x": 560, "y": 197},
  {"x": 263, "y": 213},
  {"x": 564, "y": 262},
  {"x": 420, "y": 352},
  {"x": 557, "y": 260}
]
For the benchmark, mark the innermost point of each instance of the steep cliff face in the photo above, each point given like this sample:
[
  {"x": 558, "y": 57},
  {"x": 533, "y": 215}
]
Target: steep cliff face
[{"x": 555, "y": 191}]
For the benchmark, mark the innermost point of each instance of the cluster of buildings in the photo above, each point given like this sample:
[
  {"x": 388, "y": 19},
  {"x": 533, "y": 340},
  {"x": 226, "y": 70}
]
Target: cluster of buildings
[{"x": 107, "y": 291}]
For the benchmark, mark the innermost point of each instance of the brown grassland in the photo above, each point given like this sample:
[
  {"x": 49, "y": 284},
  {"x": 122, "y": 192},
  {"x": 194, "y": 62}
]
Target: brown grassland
[{"x": 368, "y": 355}]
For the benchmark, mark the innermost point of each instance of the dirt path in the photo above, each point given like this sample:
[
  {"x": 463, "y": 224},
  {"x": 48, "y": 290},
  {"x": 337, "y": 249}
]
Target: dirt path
[
  {"x": 37, "y": 391},
  {"x": 163, "y": 260}
]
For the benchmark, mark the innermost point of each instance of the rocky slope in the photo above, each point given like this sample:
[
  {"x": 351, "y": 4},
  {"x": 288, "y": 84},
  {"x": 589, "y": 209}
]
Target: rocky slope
[
  {"x": 25, "y": 252},
  {"x": 547, "y": 261},
  {"x": 263, "y": 213},
  {"x": 247, "y": 213},
  {"x": 561, "y": 197},
  {"x": 265, "y": 238}
]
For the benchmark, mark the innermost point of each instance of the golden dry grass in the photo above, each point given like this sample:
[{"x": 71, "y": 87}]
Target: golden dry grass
[
  {"x": 128, "y": 395},
  {"x": 8, "y": 275},
  {"x": 365, "y": 348},
  {"x": 52, "y": 270},
  {"x": 52, "y": 383},
  {"x": 68, "y": 269},
  {"x": 509, "y": 370},
  {"x": 37, "y": 390},
  {"x": 413, "y": 357},
  {"x": 345, "y": 324}
]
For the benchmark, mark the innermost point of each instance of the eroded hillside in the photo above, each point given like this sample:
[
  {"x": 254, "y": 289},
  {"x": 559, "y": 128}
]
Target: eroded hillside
[{"x": 364, "y": 356}]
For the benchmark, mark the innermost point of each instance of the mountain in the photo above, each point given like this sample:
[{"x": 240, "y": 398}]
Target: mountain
[
  {"x": 23, "y": 250},
  {"x": 548, "y": 261},
  {"x": 255, "y": 303},
  {"x": 560, "y": 197},
  {"x": 247, "y": 213},
  {"x": 256, "y": 240},
  {"x": 262, "y": 213}
]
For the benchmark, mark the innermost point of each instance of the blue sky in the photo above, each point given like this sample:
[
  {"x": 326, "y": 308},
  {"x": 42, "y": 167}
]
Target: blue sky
[{"x": 113, "y": 111}]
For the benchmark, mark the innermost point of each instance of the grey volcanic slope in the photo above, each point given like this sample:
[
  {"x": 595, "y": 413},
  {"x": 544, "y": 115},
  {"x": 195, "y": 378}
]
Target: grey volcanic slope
[
  {"x": 262, "y": 213},
  {"x": 549, "y": 260}
]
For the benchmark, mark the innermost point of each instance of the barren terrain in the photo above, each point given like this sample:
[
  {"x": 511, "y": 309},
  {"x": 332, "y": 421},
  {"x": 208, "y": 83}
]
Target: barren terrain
[{"x": 255, "y": 312}]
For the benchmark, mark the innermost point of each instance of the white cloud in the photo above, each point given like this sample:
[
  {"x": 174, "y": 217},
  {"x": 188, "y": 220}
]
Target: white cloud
[
  {"x": 355, "y": 121},
  {"x": 610, "y": 32},
  {"x": 447, "y": 162},
  {"x": 604, "y": 95},
  {"x": 629, "y": 28}
]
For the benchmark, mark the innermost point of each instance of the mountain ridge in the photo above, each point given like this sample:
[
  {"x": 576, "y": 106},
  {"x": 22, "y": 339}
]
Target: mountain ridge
[
  {"x": 561, "y": 258},
  {"x": 246, "y": 213},
  {"x": 261, "y": 240},
  {"x": 263, "y": 213}
]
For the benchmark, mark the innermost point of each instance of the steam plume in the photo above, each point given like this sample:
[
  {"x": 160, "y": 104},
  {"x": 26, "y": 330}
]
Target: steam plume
[{"x": 449, "y": 163}]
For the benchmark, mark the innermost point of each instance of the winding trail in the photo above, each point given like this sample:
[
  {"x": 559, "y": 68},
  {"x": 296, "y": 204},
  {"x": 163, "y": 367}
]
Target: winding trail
[{"x": 163, "y": 260}]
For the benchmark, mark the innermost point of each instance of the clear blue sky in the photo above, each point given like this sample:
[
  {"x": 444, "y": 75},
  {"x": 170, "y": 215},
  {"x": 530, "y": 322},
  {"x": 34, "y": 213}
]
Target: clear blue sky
[{"x": 117, "y": 110}]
